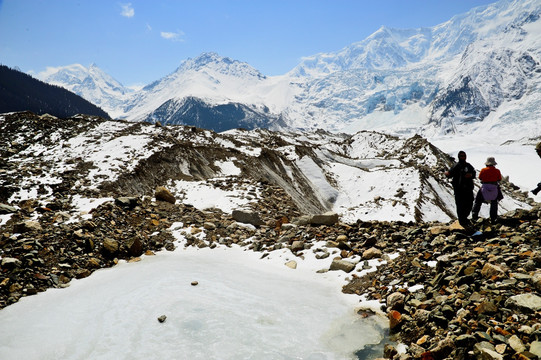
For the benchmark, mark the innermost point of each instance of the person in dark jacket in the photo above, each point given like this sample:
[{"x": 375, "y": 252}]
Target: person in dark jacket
[
  {"x": 538, "y": 151},
  {"x": 462, "y": 174}
]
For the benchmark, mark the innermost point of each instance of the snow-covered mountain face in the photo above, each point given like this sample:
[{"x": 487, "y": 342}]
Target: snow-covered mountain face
[
  {"x": 478, "y": 72},
  {"x": 433, "y": 80},
  {"x": 91, "y": 83}
]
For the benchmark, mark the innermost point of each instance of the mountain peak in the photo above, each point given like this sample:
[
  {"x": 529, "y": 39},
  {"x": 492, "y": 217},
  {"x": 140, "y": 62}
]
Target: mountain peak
[{"x": 212, "y": 62}]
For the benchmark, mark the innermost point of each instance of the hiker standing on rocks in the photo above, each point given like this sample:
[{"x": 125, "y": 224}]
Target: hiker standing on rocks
[
  {"x": 462, "y": 174},
  {"x": 490, "y": 191},
  {"x": 538, "y": 150}
]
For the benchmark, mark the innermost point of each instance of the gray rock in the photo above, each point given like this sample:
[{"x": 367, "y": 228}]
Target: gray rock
[
  {"x": 247, "y": 217},
  {"x": 126, "y": 202},
  {"x": 372, "y": 253},
  {"x": 395, "y": 301},
  {"x": 209, "y": 226},
  {"x": 536, "y": 281},
  {"x": 516, "y": 344},
  {"x": 527, "y": 302},
  {"x": 329, "y": 218},
  {"x": 488, "y": 354},
  {"x": 10, "y": 263},
  {"x": 27, "y": 226},
  {"x": 7, "y": 209},
  {"x": 297, "y": 246},
  {"x": 535, "y": 348},
  {"x": 343, "y": 265},
  {"x": 110, "y": 245}
]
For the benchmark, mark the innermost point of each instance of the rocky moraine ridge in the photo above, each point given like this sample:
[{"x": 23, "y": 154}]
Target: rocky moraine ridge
[{"x": 480, "y": 295}]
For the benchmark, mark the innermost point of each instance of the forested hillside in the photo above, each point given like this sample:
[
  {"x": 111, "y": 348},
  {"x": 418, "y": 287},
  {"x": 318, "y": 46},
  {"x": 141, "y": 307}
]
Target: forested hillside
[{"x": 21, "y": 92}]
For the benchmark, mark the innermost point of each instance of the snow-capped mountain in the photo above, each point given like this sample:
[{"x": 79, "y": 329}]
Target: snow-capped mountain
[
  {"x": 458, "y": 71},
  {"x": 479, "y": 71},
  {"x": 208, "y": 91},
  {"x": 91, "y": 83}
]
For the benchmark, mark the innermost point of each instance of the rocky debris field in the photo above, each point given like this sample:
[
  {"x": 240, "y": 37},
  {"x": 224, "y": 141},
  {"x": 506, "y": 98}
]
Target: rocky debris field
[{"x": 448, "y": 295}]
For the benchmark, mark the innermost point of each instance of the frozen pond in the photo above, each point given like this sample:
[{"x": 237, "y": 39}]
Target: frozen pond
[{"x": 242, "y": 308}]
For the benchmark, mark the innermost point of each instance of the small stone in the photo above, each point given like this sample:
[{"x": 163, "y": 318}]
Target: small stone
[
  {"x": 516, "y": 344},
  {"x": 162, "y": 318},
  {"x": 194, "y": 283},
  {"x": 395, "y": 301},
  {"x": 297, "y": 246},
  {"x": 371, "y": 253},
  {"x": 10, "y": 263},
  {"x": 291, "y": 264},
  {"x": 209, "y": 226},
  {"x": 7, "y": 209},
  {"x": 340, "y": 238},
  {"x": 395, "y": 319},
  {"x": 500, "y": 348},
  {"x": 490, "y": 270},
  {"x": 535, "y": 348},
  {"x": 110, "y": 245},
  {"x": 422, "y": 340}
]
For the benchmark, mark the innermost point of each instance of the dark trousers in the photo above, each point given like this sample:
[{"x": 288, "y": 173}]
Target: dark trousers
[
  {"x": 464, "y": 202},
  {"x": 479, "y": 200}
]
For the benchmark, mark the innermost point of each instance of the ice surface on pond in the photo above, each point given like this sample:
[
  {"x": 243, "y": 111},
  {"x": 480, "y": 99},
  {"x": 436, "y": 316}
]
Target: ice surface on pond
[{"x": 242, "y": 308}]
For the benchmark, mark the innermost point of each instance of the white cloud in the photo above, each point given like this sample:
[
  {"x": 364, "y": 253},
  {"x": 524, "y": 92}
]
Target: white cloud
[
  {"x": 173, "y": 36},
  {"x": 127, "y": 10}
]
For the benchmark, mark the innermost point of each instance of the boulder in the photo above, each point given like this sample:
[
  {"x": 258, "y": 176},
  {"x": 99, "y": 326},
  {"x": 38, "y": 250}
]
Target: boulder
[
  {"x": 527, "y": 302},
  {"x": 27, "y": 226},
  {"x": 297, "y": 246},
  {"x": 343, "y": 265},
  {"x": 247, "y": 217},
  {"x": 372, "y": 253},
  {"x": 110, "y": 245},
  {"x": 328, "y": 218},
  {"x": 163, "y": 194},
  {"x": 126, "y": 202},
  {"x": 6, "y": 209},
  {"x": 10, "y": 263}
]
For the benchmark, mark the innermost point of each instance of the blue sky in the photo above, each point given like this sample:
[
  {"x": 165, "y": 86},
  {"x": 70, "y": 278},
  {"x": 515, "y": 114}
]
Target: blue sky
[{"x": 140, "y": 41}]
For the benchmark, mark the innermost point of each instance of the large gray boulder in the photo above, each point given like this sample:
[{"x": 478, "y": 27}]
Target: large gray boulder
[
  {"x": 247, "y": 217},
  {"x": 328, "y": 218}
]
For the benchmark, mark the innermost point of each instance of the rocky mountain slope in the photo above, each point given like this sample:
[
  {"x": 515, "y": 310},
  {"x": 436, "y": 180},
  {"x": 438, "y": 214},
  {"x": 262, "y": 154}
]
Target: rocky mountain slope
[
  {"x": 80, "y": 193},
  {"x": 364, "y": 176}
]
